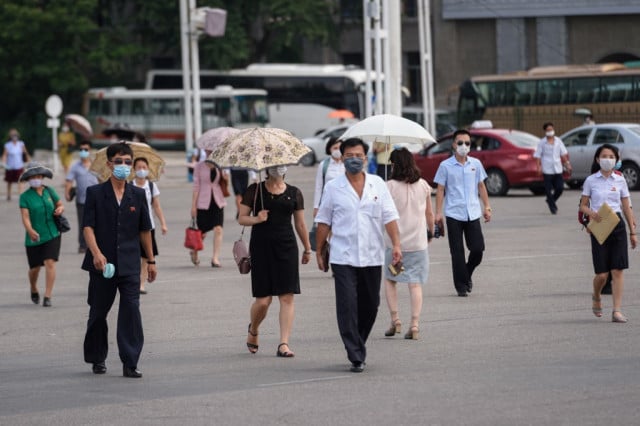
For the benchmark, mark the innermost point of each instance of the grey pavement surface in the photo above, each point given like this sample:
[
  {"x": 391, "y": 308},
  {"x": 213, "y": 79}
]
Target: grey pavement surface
[{"x": 523, "y": 349}]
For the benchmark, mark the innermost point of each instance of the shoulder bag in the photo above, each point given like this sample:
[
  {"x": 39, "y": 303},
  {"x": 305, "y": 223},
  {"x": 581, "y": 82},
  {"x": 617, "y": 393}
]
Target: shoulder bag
[
  {"x": 193, "y": 237},
  {"x": 240, "y": 250},
  {"x": 62, "y": 223}
]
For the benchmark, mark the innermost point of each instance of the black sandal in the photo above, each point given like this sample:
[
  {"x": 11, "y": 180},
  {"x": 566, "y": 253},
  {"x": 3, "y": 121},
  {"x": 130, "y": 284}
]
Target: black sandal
[
  {"x": 285, "y": 354},
  {"x": 253, "y": 348}
]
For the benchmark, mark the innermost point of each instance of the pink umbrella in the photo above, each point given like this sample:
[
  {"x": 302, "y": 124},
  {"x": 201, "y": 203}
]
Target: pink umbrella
[
  {"x": 79, "y": 124},
  {"x": 210, "y": 139}
]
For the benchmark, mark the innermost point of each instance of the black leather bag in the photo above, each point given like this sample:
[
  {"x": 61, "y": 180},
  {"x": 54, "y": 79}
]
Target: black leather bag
[{"x": 62, "y": 223}]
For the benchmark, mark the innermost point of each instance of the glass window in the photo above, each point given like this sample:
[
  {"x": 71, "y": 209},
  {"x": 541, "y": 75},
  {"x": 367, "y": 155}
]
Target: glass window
[
  {"x": 521, "y": 139},
  {"x": 525, "y": 92},
  {"x": 441, "y": 147},
  {"x": 583, "y": 90},
  {"x": 616, "y": 89},
  {"x": 553, "y": 90},
  {"x": 603, "y": 136},
  {"x": 577, "y": 138}
]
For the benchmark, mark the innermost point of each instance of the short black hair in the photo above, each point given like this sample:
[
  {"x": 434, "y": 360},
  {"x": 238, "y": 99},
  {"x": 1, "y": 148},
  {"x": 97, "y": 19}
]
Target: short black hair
[
  {"x": 351, "y": 142},
  {"x": 547, "y": 124},
  {"x": 460, "y": 132},
  {"x": 143, "y": 159},
  {"x": 85, "y": 142},
  {"x": 331, "y": 142},
  {"x": 121, "y": 148}
]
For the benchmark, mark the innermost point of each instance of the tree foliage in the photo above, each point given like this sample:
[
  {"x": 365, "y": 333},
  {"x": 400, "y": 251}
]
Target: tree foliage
[{"x": 67, "y": 46}]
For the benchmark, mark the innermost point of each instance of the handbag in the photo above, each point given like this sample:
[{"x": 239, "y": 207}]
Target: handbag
[
  {"x": 312, "y": 237},
  {"x": 61, "y": 223},
  {"x": 193, "y": 237},
  {"x": 240, "y": 250}
]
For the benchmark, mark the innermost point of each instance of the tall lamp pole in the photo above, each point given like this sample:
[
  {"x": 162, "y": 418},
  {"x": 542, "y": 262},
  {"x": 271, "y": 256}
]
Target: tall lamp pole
[{"x": 426, "y": 65}]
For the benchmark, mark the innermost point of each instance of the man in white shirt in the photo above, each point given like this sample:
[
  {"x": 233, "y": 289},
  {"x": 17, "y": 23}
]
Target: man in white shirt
[
  {"x": 550, "y": 155},
  {"x": 356, "y": 207}
]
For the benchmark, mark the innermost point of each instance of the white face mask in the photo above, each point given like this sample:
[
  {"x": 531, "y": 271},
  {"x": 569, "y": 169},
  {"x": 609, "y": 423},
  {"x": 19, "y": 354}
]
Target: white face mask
[
  {"x": 336, "y": 154},
  {"x": 607, "y": 164},
  {"x": 142, "y": 173},
  {"x": 463, "y": 150},
  {"x": 35, "y": 183},
  {"x": 550, "y": 134},
  {"x": 277, "y": 171}
]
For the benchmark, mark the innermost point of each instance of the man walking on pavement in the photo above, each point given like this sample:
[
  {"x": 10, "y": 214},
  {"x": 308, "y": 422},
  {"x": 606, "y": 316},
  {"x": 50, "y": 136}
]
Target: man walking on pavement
[{"x": 551, "y": 155}]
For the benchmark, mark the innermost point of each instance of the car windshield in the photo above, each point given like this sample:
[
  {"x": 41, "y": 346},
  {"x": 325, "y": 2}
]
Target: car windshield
[
  {"x": 521, "y": 139},
  {"x": 635, "y": 129}
]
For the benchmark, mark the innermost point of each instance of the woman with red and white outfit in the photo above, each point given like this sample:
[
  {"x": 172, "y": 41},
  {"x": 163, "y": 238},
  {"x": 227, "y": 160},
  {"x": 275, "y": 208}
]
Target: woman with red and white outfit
[{"x": 207, "y": 206}]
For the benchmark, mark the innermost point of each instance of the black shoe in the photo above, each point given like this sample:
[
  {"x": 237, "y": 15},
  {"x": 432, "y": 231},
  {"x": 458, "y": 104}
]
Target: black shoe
[
  {"x": 357, "y": 367},
  {"x": 131, "y": 372},
  {"x": 462, "y": 294},
  {"x": 46, "y": 302},
  {"x": 35, "y": 297},
  {"x": 469, "y": 286},
  {"x": 99, "y": 368}
]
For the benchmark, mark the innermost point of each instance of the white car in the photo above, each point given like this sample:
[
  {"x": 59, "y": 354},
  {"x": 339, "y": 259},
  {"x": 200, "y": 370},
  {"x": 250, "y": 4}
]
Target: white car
[
  {"x": 318, "y": 143},
  {"x": 582, "y": 143}
]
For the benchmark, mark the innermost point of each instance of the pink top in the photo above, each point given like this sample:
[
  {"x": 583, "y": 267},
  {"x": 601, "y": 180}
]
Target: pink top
[
  {"x": 411, "y": 202},
  {"x": 205, "y": 188}
]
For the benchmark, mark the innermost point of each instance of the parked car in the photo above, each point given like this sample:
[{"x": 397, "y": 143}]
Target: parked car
[
  {"x": 318, "y": 142},
  {"x": 507, "y": 156},
  {"x": 582, "y": 143}
]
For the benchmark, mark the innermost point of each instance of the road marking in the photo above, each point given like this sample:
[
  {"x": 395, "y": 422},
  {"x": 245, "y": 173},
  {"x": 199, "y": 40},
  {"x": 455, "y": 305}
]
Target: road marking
[{"x": 293, "y": 382}]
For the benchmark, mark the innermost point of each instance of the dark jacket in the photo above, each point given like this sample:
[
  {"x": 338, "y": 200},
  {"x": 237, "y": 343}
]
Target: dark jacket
[{"x": 116, "y": 227}]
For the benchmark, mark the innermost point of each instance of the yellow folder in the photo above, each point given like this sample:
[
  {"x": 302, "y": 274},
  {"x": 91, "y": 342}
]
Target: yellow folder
[{"x": 601, "y": 230}]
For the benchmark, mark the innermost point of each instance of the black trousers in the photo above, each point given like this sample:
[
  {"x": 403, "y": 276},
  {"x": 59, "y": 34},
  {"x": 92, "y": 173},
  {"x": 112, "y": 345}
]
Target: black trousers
[
  {"x": 472, "y": 233},
  {"x": 130, "y": 338},
  {"x": 553, "y": 187},
  {"x": 80, "y": 212},
  {"x": 357, "y": 301}
]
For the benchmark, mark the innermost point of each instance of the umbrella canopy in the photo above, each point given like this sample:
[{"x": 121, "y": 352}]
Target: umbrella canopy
[
  {"x": 121, "y": 130},
  {"x": 79, "y": 124},
  {"x": 390, "y": 129},
  {"x": 101, "y": 169},
  {"x": 341, "y": 113},
  {"x": 210, "y": 139},
  {"x": 259, "y": 148}
]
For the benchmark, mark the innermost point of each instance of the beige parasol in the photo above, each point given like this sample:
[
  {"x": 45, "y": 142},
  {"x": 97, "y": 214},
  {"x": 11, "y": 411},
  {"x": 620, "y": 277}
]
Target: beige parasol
[
  {"x": 79, "y": 124},
  {"x": 100, "y": 166},
  {"x": 210, "y": 139}
]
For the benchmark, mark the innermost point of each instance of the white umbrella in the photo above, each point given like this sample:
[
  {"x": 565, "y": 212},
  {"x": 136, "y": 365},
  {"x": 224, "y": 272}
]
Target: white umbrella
[{"x": 390, "y": 129}]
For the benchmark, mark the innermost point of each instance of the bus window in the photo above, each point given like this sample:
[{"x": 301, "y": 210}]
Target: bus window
[
  {"x": 583, "y": 90},
  {"x": 525, "y": 92}
]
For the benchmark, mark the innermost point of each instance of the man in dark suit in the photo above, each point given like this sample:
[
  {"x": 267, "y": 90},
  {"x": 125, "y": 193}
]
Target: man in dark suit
[{"x": 116, "y": 222}]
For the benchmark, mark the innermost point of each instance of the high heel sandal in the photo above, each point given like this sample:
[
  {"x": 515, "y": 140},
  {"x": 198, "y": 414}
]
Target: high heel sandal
[
  {"x": 284, "y": 354},
  {"x": 618, "y": 318},
  {"x": 413, "y": 332},
  {"x": 253, "y": 348},
  {"x": 596, "y": 311},
  {"x": 396, "y": 326}
]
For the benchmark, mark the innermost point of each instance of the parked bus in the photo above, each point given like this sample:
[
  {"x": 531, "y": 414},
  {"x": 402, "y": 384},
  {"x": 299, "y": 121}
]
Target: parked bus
[
  {"x": 159, "y": 114},
  {"x": 300, "y": 96},
  {"x": 562, "y": 94}
]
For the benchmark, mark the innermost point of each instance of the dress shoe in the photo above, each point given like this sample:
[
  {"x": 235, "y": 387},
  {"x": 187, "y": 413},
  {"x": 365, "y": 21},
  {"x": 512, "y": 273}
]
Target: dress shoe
[
  {"x": 131, "y": 372},
  {"x": 35, "y": 297},
  {"x": 357, "y": 367},
  {"x": 469, "y": 286},
  {"x": 462, "y": 294},
  {"x": 99, "y": 368},
  {"x": 46, "y": 302}
]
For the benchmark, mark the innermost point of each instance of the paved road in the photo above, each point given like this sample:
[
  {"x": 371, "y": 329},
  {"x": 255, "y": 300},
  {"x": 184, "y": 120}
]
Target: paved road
[{"x": 524, "y": 348}]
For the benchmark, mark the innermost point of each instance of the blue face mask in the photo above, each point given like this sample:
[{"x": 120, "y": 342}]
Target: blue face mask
[
  {"x": 618, "y": 165},
  {"x": 84, "y": 154},
  {"x": 121, "y": 171},
  {"x": 353, "y": 165}
]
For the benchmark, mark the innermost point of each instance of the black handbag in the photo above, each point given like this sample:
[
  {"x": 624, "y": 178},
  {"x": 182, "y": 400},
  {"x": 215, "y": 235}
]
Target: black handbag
[{"x": 62, "y": 223}]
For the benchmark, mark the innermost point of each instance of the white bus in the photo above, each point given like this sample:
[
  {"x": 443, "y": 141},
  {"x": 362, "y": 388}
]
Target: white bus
[
  {"x": 300, "y": 96},
  {"x": 159, "y": 114}
]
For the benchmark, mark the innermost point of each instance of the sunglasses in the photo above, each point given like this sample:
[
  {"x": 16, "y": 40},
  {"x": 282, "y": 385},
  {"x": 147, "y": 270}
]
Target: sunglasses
[
  {"x": 120, "y": 161},
  {"x": 459, "y": 143}
]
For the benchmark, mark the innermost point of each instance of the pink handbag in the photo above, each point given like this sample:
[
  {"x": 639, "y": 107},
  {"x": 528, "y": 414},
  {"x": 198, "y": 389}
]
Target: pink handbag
[{"x": 241, "y": 255}]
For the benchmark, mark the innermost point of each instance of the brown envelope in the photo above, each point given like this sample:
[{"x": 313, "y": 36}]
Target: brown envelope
[{"x": 601, "y": 230}]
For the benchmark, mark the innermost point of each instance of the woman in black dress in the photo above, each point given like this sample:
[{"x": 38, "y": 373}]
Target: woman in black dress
[{"x": 274, "y": 251}]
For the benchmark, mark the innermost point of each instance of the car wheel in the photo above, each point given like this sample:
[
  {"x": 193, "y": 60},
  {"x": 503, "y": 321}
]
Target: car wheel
[
  {"x": 308, "y": 160},
  {"x": 631, "y": 174},
  {"x": 574, "y": 184},
  {"x": 496, "y": 182}
]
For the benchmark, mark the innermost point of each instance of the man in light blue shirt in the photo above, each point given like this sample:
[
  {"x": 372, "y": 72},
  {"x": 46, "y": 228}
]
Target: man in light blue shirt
[
  {"x": 551, "y": 155},
  {"x": 357, "y": 207},
  {"x": 460, "y": 181}
]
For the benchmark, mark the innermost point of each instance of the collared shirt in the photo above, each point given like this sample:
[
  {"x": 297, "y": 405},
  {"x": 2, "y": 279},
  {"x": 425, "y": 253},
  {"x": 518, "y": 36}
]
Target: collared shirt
[
  {"x": 461, "y": 182},
  {"x": 334, "y": 169},
  {"x": 357, "y": 224},
  {"x": 84, "y": 179},
  {"x": 610, "y": 190},
  {"x": 41, "y": 209},
  {"x": 549, "y": 155},
  {"x": 14, "y": 155}
]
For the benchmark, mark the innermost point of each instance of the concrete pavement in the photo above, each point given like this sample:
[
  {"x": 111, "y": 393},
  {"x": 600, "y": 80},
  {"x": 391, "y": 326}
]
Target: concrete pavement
[{"x": 524, "y": 348}]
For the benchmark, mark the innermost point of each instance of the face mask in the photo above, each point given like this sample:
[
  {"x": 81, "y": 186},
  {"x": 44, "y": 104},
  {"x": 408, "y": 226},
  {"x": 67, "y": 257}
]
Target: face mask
[
  {"x": 142, "y": 173},
  {"x": 14, "y": 137},
  {"x": 550, "y": 134},
  {"x": 121, "y": 171},
  {"x": 353, "y": 165},
  {"x": 336, "y": 154},
  {"x": 607, "y": 164},
  {"x": 463, "y": 150},
  {"x": 65, "y": 128},
  {"x": 84, "y": 154},
  {"x": 277, "y": 171},
  {"x": 618, "y": 165},
  {"x": 35, "y": 183}
]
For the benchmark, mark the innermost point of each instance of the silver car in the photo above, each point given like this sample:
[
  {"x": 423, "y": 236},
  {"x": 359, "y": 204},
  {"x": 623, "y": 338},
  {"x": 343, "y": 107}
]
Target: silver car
[
  {"x": 318, "y": 143},
  {"x": 582, "y": 143}
]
